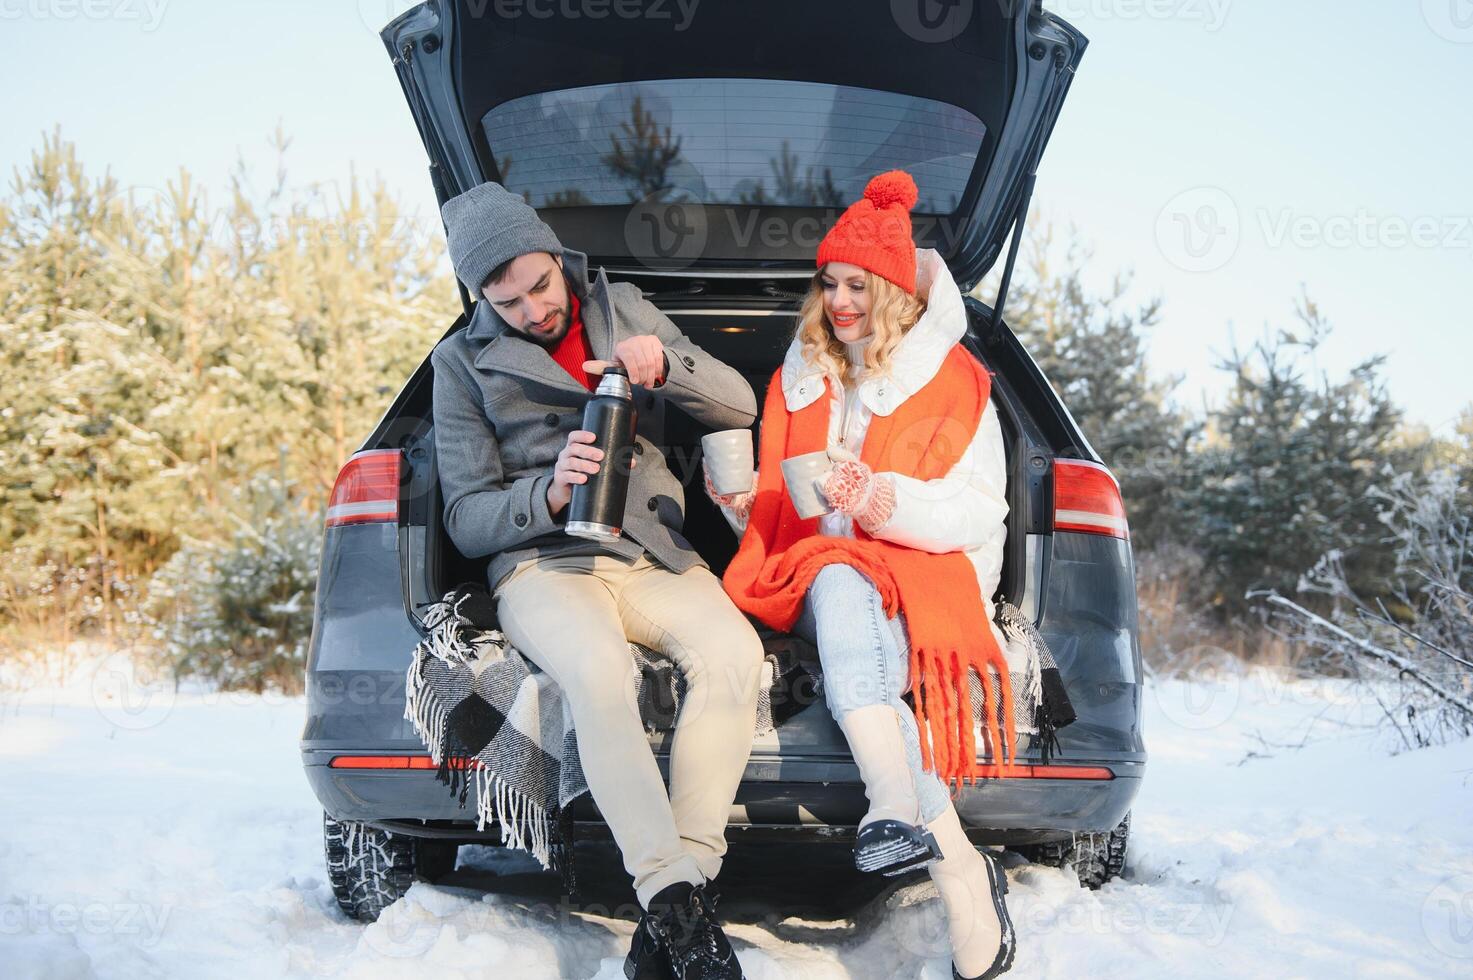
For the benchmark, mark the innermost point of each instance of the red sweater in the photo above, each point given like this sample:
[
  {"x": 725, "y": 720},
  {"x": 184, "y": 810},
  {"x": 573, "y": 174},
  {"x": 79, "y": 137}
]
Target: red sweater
[{"x": 574, "y": 349}]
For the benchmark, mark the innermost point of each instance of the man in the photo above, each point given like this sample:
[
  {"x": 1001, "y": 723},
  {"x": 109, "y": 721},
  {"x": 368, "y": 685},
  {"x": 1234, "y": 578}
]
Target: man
[{"x": 508, "y": 402}]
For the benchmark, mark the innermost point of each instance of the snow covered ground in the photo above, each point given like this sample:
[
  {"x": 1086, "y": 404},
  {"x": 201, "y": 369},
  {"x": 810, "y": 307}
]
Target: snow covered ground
[{"x": 155, "y": 835}]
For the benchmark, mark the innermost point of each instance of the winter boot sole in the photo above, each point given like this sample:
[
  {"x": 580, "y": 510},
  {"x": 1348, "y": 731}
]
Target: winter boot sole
[
  {"x": 997, "y": 881},
  {"x": 890, "y": 847}
]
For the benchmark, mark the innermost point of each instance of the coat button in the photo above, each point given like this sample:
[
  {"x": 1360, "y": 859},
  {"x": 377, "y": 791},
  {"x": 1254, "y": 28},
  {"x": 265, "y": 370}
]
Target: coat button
[
  {"x": 654, "y": 504},
  {"x": 690, "y": 362},
  {"x": 550, "y": 418},
  {"x": 521, "y": 520},
  {"x": 639, "y": 449}
]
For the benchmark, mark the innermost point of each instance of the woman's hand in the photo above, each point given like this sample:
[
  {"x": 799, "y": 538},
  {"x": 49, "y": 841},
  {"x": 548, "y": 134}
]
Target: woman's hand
[
  {"x": 851, "y": 487},
  {"x": 741, "y": 503}
]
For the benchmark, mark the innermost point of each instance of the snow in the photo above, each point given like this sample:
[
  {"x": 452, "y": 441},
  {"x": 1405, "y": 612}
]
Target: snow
[{"x": 147, "y": 833}]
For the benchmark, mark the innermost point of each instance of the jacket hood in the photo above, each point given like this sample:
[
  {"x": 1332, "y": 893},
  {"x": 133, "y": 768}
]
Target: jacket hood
[
  {"x": 915, "y": 361},
  {"x": 486, "y": 323}
]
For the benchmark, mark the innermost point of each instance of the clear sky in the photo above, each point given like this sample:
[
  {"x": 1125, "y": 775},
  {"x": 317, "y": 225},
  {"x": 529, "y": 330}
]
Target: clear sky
[{"x": 1225, "y": 151}]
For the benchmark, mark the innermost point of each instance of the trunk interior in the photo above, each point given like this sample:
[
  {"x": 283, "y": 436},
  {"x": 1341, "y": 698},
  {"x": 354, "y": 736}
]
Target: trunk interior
[
  {"x": 750, "y": 333},
  {"x": 749, "y": 328}
]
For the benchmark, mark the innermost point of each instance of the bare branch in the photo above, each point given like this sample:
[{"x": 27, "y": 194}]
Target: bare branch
[{"x": 1403, "y": 666}]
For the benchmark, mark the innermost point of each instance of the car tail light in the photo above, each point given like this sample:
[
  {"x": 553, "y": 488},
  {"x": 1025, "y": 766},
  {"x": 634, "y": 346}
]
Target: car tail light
[
  {"x": 1087, "y": 498},
  {"x": 1066, "y": 772},
  {"x": 367, "y": 489},
  {"x": 397, "y": 762}
]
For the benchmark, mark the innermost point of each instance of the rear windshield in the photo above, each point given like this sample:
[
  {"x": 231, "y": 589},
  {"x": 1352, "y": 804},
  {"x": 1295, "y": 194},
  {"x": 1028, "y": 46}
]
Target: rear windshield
[{"x": 729, "y": 141}]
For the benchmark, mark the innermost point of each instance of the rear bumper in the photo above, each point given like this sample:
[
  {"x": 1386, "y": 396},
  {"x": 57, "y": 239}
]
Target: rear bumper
[
  {"x": 792, "y": 796},
  {"x": 799, "y": 778}
]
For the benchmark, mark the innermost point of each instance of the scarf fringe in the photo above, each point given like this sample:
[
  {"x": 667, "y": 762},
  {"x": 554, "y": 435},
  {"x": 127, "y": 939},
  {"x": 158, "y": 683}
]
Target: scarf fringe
[
  {"x": 943, "y": 708},
  {"x": 525, "y": 824}
]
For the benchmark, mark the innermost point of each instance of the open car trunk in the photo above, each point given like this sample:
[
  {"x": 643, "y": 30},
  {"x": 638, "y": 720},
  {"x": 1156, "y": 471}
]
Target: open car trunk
[
  {"x": 705, "y": 160},
  {"x": 752, "y": 338},
  {"x": 751, "y": 335}
]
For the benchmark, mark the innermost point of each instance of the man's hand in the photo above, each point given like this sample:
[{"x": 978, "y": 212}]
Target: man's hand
[
  {"x": 643, "y": 357},
  {"x": 578, "y": 460}
]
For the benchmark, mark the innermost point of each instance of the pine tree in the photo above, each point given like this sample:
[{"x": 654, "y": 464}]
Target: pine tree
[
  {"x": 158, "y": 351},
  {"x": 1288, "y": 465},
  {"x": 642, "y": 154}
]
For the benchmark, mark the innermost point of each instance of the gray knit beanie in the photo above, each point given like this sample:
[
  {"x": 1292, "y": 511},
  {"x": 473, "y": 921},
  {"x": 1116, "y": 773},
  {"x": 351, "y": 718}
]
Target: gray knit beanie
[{"x": 488, "y": 225}]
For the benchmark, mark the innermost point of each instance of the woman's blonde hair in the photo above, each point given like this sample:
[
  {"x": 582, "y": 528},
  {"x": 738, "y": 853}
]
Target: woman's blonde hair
[{"x": 892, "y": 312}]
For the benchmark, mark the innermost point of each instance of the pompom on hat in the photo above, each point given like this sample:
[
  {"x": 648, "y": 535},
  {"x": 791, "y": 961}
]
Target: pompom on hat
[{"x": 874, "y": 233}]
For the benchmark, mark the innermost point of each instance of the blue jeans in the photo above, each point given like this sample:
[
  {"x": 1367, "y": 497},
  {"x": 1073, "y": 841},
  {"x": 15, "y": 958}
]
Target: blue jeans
[{"x": 865, "y": 660}]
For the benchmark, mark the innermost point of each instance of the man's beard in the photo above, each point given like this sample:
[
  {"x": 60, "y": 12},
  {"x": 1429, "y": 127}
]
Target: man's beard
[{"x": 549, "y": 338}]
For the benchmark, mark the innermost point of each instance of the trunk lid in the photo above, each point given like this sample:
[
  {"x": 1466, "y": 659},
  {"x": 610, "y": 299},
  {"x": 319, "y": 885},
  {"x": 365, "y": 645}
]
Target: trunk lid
[{"x": 707, "y": 139}]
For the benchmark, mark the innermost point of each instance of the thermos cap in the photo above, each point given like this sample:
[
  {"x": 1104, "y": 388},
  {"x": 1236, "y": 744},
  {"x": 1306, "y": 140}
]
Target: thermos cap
[{"x": 615, "y": 381}]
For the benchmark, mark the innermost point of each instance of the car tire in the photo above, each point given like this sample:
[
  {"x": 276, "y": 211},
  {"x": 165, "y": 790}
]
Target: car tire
[
  {"x": 370, "y": 869},
  {"x": 1095, "y": 858}
]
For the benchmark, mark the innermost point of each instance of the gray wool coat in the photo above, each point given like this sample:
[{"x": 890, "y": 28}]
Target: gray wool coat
[{"x": 503, "y": 409}]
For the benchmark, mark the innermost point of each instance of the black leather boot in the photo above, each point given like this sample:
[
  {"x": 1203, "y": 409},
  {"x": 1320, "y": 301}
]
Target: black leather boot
[{"x": 679, "y": 934}]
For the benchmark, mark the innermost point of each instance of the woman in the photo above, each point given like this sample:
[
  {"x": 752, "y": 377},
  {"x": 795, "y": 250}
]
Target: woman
[{"x": 894, "y": 584}]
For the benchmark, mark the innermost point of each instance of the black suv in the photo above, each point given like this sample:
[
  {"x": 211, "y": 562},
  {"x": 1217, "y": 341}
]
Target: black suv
[{"x": 703, "y": 160}]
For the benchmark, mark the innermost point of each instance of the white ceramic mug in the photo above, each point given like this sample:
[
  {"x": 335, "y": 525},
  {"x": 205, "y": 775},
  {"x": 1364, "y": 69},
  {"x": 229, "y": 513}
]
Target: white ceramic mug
[
  {"x": 728, "y": 456},
  {"x": 803, "y": 474}
]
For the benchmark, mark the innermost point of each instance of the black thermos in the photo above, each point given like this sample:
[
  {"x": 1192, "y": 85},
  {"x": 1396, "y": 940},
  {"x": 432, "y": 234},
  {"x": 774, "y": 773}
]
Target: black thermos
[{"x": 597, "y": 507}]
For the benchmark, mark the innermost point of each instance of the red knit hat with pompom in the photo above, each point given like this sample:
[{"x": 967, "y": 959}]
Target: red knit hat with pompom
[{"x": 874, "y": 233}]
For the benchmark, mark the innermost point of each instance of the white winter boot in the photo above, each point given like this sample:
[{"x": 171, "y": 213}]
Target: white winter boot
[
  {"x": 891, "y": 839},
  {"x": 972, "y": 885}
]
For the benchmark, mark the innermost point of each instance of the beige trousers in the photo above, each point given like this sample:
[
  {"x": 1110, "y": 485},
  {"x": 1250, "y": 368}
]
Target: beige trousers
[{"x": 574, "y": 616}]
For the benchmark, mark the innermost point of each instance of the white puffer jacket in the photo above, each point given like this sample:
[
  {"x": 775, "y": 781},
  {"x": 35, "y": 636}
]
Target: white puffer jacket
[{"x": 965, "y": 509}]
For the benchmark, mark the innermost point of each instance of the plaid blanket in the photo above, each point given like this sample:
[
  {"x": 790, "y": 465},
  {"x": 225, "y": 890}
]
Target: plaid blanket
[
  {"x": 496, "y": 724},
  {"x": 1040, "y": 704}
]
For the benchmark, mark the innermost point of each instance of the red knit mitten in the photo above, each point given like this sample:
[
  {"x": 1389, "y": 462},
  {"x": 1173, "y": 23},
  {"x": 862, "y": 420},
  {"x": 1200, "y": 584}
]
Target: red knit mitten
[
  {"x": 853, "y": 488},
  {"x": 741, "y": 503}
]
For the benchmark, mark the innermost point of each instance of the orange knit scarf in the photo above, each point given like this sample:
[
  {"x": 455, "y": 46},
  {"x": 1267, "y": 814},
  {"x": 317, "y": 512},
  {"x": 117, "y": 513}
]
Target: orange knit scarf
[{"x": 949, "y": 633}]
